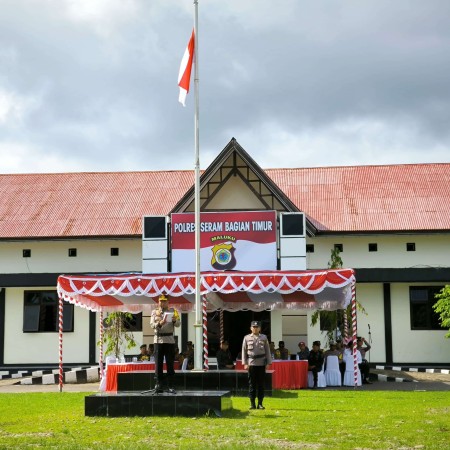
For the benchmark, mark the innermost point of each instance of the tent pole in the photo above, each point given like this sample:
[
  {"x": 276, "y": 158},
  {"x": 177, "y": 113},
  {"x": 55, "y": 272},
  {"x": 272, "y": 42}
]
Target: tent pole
[
  {"x": 205, "y": 336},
  {"x": 60, "y": 329},
  {"x": 354, "y": 333},
  {"x": 101, "y": 344}
]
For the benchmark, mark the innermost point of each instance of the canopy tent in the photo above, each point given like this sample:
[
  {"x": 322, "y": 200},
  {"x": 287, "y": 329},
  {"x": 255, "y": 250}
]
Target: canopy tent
[{"x": 230, "y": 291}]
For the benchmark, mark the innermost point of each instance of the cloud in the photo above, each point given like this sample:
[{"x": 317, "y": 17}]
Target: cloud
[{"x": 91, "y": 84}]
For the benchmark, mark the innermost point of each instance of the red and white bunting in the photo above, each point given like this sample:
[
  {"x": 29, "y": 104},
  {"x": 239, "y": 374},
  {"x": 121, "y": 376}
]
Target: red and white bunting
[{"x": 231, "y": 291}]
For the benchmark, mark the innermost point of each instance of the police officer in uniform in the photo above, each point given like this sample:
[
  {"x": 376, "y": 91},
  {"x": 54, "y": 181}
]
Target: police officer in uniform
[
  {"x": 164, "y": 342},
  {"x": 255, "y": 357}
]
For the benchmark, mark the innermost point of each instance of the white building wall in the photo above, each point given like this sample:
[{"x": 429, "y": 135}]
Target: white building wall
[
  {"x": 94, "y": 256},
  {"x": 52, "y": 256},
  {"x": 370, "y": 296},
  {"x": 431, "y": 250},
  {"x": 42, "y": 348},
  {"x": 414, "y": 345}
]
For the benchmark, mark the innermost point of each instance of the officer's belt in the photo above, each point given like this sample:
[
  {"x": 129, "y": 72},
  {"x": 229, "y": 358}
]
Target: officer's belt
[
  {"x": 257, "y": 356},
  {"x": 164, "y": 334}
]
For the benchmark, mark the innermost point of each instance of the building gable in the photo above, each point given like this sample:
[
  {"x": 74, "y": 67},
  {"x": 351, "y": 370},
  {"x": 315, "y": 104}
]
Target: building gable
[{"x": 234, "y": 181}]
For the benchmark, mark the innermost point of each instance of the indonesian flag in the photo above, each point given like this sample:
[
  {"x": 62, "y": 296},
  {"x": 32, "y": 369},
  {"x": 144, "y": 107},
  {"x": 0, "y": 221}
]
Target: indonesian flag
[{"x": 184, "y": 76}]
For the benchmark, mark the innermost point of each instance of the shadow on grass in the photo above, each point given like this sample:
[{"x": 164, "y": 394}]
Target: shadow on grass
[
  {"x": 285, "y": 394},
  {"x": 234, "y": 414}
]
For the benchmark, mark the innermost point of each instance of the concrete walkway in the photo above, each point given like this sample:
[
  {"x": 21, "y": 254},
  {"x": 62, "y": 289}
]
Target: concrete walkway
[{"x": 8, "y": 386}]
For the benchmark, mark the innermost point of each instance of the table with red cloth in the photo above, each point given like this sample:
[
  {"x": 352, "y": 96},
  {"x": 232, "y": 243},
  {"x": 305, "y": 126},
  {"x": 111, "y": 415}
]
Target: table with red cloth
[
  {"x": 113, "y": 369},
  {"x": 286, "y": 374}
]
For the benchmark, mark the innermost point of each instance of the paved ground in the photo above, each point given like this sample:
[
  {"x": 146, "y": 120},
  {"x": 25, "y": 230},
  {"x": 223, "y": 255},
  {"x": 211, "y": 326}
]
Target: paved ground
[{"x": 424, "y": 382}]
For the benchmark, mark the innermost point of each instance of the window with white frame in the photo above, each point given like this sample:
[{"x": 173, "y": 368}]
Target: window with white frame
[{"x": 40, "y": 312}]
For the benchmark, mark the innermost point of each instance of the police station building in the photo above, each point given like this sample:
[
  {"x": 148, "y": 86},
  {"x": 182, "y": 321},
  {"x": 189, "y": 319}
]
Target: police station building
[{"x": 391, "y": 224}]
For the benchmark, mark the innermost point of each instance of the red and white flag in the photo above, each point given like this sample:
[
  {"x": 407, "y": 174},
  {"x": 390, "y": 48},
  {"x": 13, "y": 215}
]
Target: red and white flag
[{"x": 184, "y": 76}]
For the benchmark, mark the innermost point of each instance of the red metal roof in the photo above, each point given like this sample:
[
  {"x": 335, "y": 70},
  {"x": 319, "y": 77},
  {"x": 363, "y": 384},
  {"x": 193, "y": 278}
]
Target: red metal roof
[
  {"x": 370, "y": 198},
  {"x": 341, "y": 199},
  {"x": 86, "y": 204}
]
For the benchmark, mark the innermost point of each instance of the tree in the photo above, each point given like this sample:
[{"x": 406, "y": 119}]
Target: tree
[
  {"x": 117, "y": 334},
  {"x": 333, "y": 321},
  {"x": 442, "y": 307}
]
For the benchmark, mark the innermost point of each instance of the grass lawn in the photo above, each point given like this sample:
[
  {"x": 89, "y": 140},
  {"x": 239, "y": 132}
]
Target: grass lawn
[{"x": 293, "y": 419}]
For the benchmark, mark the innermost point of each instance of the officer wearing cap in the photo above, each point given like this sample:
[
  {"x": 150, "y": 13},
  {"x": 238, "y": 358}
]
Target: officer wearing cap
[
  {"x": 315, "y": 361},
  {"x": 164, "y": 320},
  {"x": 255, "y": 357}
]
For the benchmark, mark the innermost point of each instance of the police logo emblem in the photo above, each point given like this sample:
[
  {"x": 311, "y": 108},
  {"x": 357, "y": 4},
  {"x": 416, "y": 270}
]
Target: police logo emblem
[{"x": 223, "y": 257}]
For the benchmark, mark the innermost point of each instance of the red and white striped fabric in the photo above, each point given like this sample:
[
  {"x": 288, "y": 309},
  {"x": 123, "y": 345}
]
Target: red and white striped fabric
[
  {"x": 184, "y": 75},
  {"x": 230, "y": 291}
]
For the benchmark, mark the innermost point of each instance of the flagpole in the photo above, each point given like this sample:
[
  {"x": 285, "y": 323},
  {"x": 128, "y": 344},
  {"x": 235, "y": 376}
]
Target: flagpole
[{"x": 198, "y": 360}]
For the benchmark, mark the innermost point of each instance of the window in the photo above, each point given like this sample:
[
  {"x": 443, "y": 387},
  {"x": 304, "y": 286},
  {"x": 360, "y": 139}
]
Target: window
[
  {"x": 114, "y": 251},
  {"x": 339, "y": 247},
  {"x": 421, "y": 300},
  {"x": 134, "y": 323},
  {"x": 40, "y": 312},
  {"x": 410, "y": 246},
  {"x": 26, "y": 253},
  {"x": 330, "y": 320},
  {"x": 72, "y": 252},
  {"x": 373, "y": 247},
  {"x": 309, "y": 248}
]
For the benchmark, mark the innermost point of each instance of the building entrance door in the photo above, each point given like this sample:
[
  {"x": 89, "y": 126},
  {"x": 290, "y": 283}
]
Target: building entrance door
[{"x": 235, "y": 326}]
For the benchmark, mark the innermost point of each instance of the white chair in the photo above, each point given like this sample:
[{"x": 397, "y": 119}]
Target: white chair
[
  {"x": 184, "y": 365},
  {"x": 110, "y": 360},
  {"x": 212, "y": 364},
  {"x": 332, "y": 372},
  {"x": 321, "y": 382},
  {"x": 349, "y": 369}
]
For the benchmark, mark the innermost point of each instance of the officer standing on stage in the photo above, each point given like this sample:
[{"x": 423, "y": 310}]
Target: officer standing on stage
[
  {"x": 164, "y": 342},
  {"x": 255, "y": 357}
]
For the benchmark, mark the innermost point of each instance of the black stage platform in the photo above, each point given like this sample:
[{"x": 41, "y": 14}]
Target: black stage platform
[
  {"x": 128, "y": 404},
  {"x": 235, "y": 381}
]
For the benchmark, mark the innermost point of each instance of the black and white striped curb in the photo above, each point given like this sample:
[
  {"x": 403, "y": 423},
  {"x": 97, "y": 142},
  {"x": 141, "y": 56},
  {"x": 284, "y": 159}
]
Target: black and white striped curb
[
  {"x": 413, "y": 369},
  {"x": 381, "y": 377},
  {"x": 6, "y": 374},
  {"x": 72, "y": 376}
]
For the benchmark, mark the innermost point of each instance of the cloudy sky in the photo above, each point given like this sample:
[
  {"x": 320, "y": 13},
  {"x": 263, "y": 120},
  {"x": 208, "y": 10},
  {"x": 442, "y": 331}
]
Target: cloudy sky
[{"x": 91, "y": 85}]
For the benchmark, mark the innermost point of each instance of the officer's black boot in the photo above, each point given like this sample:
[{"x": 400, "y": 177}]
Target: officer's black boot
[
  {"x": 252, "y": 403},
  {"x": 158, "y": 388},
  {"x": 171, "y": 389},
  {"x": 260, "y": 404}
]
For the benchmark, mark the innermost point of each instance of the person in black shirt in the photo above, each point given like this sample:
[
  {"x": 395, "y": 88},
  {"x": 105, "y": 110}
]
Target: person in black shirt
[
  {"x": 224, "y": 359},
  {"x": 315, "y": 361}
]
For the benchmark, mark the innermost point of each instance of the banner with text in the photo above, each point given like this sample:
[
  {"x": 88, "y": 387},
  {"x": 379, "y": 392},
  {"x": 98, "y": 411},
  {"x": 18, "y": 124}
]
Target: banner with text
[{"x": 228, "y": 241}]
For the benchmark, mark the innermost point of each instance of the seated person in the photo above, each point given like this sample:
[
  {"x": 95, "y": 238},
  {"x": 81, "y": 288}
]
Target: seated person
[
  {"x": 341, "y": 347},
  {"x": 272, "y": 349},
  {"x": 281, "y": 352},
  {"x": 304, "y": 351},
  {"x": 143, "y": 356},
  {"x": 151, "y": 350},
  {"x": 364, "y": 366},
  {"x": 178, "y": 356},
  {"x": 224, "y": 359},
  {"x": 315, "y": 361},
  {"x": 189, "y": 354}
]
